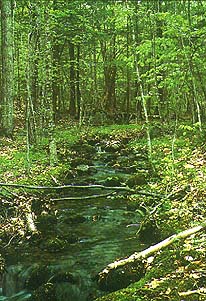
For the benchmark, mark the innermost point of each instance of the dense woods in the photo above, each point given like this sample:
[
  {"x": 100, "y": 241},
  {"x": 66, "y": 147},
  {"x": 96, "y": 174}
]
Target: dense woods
[{"x": 101, "y": 62}]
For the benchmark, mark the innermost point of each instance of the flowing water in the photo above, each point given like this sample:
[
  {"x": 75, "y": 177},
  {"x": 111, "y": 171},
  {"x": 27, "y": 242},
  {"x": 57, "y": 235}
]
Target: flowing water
[{"x": 86, "y": 235}]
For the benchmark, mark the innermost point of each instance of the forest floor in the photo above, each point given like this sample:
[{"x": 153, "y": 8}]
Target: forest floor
[{"x": 177, "y": 169}]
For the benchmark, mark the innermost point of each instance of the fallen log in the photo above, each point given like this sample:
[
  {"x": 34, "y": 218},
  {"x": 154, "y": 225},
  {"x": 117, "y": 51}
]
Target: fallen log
[{"x": 103, "y": 277}]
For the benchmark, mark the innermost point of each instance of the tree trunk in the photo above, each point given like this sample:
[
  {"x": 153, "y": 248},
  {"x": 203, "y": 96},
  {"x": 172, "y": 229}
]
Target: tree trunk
[
  {"x": 110, "y": 93},
  {"x": 72, "y": 106},
  {"x": 110, "y": 71},
  {"x": 139, "y": 109},
  {"x": 47, "y": 89},
  {"x": 144, "y": 105},
  {"x": 56, "y": 55},
  {"x": 194, "y": 92},
  {"x": 141, "y": 90},
  {"x": 32, "y": 76},
  {"x": 55, "y": 83},
  {"x": 78, "y": 91},
  {"x": 7, "y": 114},
  {"x": 128, "y": 83}
]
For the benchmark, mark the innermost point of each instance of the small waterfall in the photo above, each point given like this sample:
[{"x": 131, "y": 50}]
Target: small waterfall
[
  {"x": 13, "y": 280},
  {"x": 14, "y": 283},
  {"x": 61, "y": 286}
]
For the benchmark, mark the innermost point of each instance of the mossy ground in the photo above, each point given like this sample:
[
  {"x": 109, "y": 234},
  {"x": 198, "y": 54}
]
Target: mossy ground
[{"x": 179, "y": 170}]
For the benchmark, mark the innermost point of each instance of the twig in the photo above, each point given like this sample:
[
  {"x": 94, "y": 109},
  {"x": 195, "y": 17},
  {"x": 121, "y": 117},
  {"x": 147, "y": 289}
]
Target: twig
[{"x": 9, "y": 241}]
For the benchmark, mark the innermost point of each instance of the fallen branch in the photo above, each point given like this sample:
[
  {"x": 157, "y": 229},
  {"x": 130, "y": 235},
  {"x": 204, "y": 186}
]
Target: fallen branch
[
  {"x": 83, "y": 197},
  {"x": 116, "y": 188},
  {"x": 66, "y": 187},
  {"x": 151, "y": 250}
]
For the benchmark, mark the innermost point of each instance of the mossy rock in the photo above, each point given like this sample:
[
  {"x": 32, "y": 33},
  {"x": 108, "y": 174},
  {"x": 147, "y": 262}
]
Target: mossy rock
[
  {"x": 77, "y": 161},
  {"x": 54, "y": 244},
  {"x": 46, "y": 223},
  {"x": 121, "y": 295},
  {"x": 64, "y": 277},
  {"x": 46, "y": 292},
  {"x": 150, "y": 233},
  {"x": 121, "y": 277},
  {"x": 70, "y": 238},
  {"x": 137, "y": 179},
  {"x": 83, "y": 147},
  {"x": 113, "y": 181},
  {"x": 74, "y": 219},
  {"x": 38, "y": 276}
]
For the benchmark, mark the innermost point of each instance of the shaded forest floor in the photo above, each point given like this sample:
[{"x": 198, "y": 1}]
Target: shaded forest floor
[{"x": 177, "y": 173}]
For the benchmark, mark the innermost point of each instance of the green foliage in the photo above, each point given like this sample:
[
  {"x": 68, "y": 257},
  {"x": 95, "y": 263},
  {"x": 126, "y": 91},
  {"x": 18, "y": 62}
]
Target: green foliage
[
  {"x": 188, "y": 130},
  {"x": 110, "y": 39}
]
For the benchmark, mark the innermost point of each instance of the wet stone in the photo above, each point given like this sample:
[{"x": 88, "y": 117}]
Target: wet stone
[
  {"x": 113, "y": 181},
  {"x": 64, "y": 277},
  {"x": 137, "y": 179},
  {"x": 46, "y": 223},
  {"x": 70, "y": 238},
  {"x": 45, "y": 292},
  {"x": 74, "y": 219},
  {"x": 38, "y": 276},
  {"x": 78, "y": 161},
  {"x": 150, "y": 233},
  {"x": 121, "y": 277},
  {"x": 53, "y": 244}
]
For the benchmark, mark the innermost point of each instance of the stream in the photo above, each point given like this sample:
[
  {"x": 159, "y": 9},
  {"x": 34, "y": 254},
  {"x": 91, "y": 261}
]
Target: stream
[{"x": 78, "y": 242}]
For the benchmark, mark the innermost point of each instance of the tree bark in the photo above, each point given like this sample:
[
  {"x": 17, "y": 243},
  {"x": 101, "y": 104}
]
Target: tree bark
[
  {"x": 72, "y": 105},
  {"x": 7, "y": 112},
  {"x": 78, "y": 91}
]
